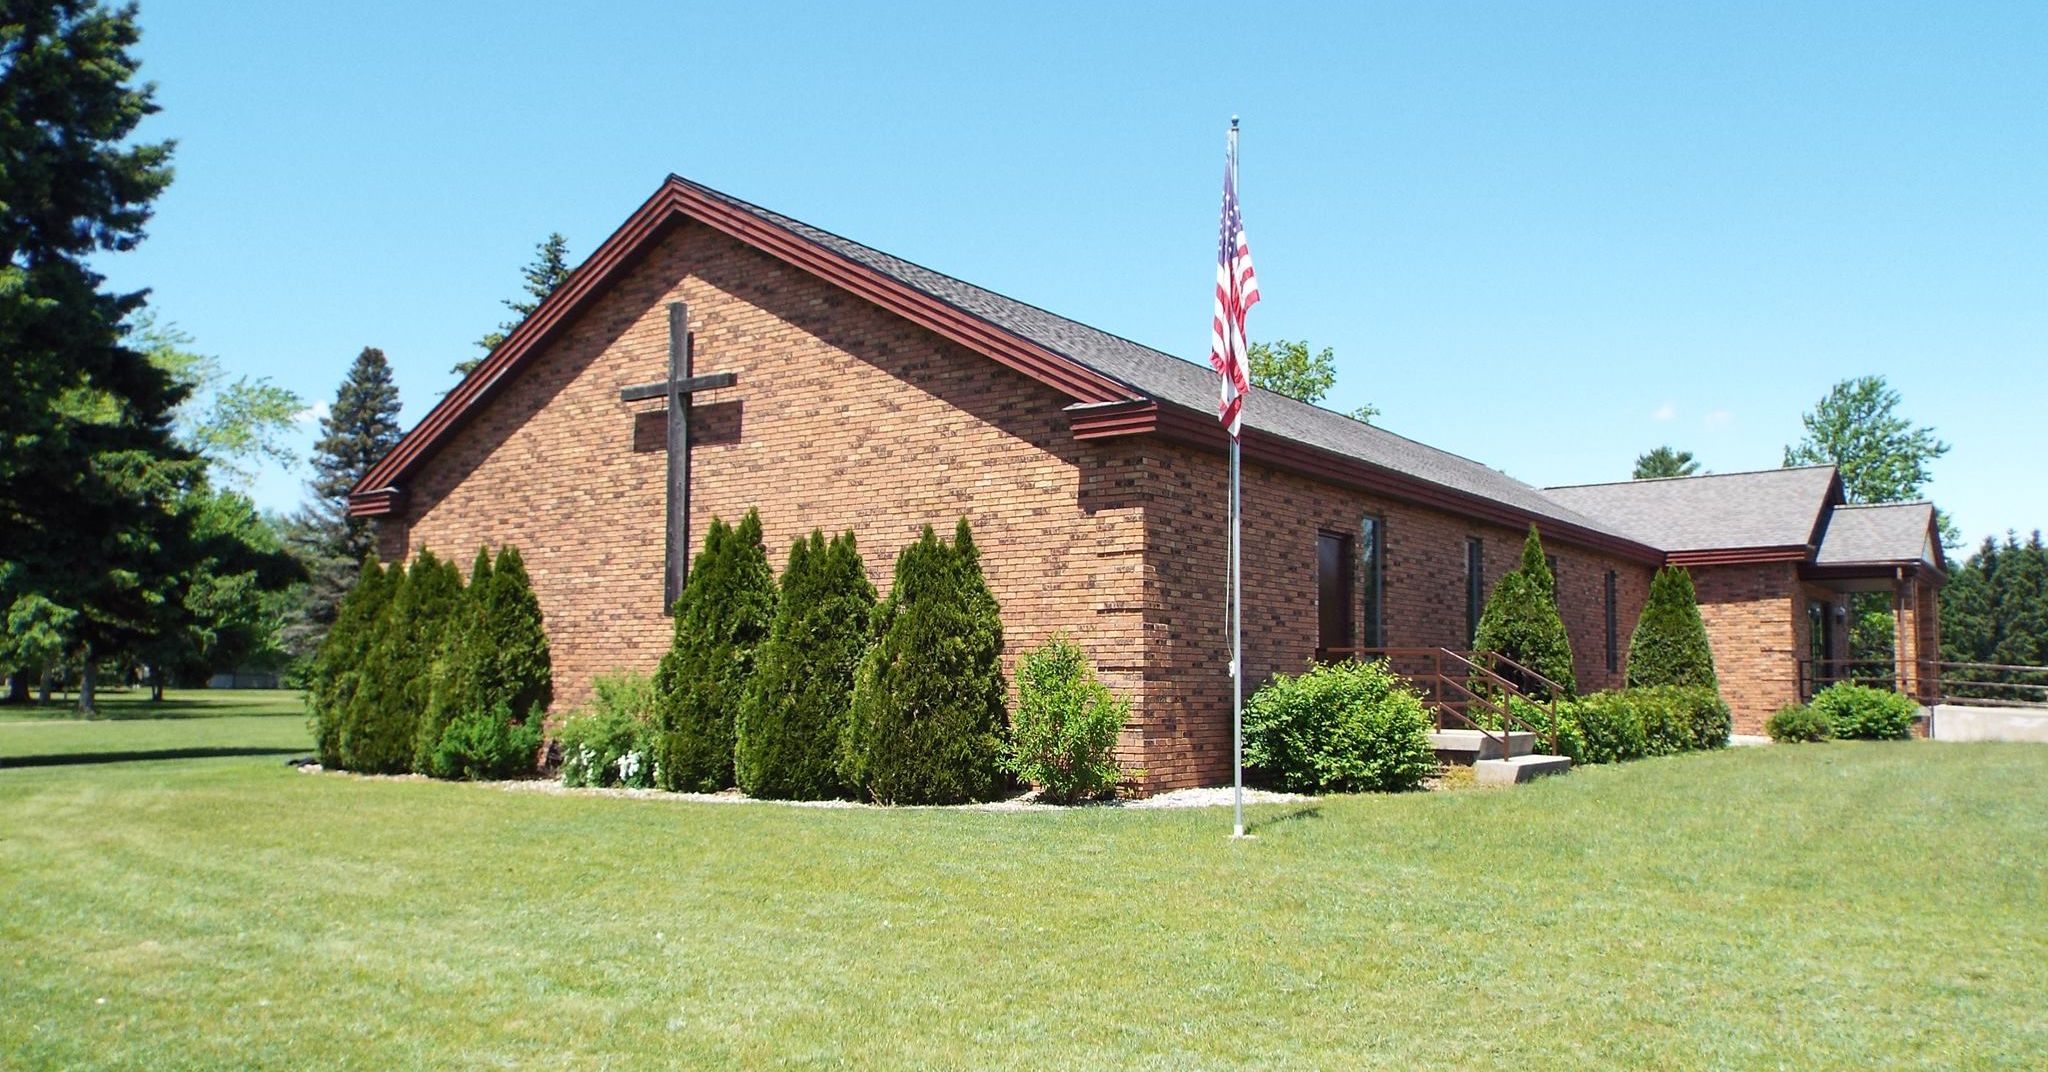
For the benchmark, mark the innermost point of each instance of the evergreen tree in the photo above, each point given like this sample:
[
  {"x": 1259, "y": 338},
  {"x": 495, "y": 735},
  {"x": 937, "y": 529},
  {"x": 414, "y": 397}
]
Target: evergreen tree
[
  {"x": 1663, "y": 463},
  {"x": 458, "y": 662},
  {"x": 338, "y": 665},
  {"x": 90, "y": 471},
  {"x": 802, "y": 687},
  {"x": 1670, "y": 646},
  {"x": 722, "y": 616},
  {"x": 518, "y": 668},
  {"x": 1521, "y": 622},
  {"x": 360, "y": 427},
  {"x": 548, "y": 270},
  {"x": 384, "y": 721},
  {"x": 1994, "y": 610},
  {"x": 927, "y": 721}
]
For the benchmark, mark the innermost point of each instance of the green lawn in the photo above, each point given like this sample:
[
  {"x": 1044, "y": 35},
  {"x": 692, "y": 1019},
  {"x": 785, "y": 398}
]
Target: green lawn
[
  {"x": 188, "y": 725},
  {"x": 1827, "y": 906}
]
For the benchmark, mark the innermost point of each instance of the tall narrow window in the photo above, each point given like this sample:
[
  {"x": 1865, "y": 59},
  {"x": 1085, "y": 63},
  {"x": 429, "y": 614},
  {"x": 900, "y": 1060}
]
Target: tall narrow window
[
  {"x": 1333, "y": 595},
  {"x": 1475, "y": 585},
  {"x": 1613, "y": 628},
  {"x": 1372, "y": 580}
]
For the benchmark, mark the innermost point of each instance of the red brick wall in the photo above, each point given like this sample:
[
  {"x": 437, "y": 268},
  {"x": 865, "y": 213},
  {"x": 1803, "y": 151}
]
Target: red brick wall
[
  {"x": 559, "y": 466},
  {"x": 1756, "y": 623},
  {"x": 1185, "y": 720}
]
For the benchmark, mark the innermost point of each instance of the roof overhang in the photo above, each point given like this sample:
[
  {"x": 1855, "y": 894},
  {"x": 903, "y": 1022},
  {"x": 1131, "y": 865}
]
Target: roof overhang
[
  {"x": 1203, "y": 430},
  {"x": 1740, "y": 556},
  {"x": 1901, "y": 570},
  {"x": 678, "y": 200}
]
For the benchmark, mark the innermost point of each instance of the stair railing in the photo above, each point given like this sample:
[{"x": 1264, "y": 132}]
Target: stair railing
[{"x": 1447, "y": 687}]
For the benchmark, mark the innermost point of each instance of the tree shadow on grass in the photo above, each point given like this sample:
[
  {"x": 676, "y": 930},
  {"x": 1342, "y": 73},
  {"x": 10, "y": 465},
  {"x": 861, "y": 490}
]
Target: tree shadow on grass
[
  {"x": 74, "y": 758},
  {"x": 1312, "y": 811}
]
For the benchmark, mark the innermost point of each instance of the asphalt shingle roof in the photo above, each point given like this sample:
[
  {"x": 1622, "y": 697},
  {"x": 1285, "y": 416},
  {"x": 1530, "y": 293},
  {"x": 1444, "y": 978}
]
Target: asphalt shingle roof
[
  {"x": 1890, "y": 532},
  {"x": 1771, "y": 508},
  {"x": 1151, "y": 373}
]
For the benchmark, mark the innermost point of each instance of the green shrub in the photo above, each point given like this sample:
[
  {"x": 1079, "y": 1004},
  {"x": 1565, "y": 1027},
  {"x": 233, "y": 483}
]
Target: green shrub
[
  {"x": 1861, "y": 713},
  {"x": 1669, "y": 646},
  {"x": 338, "y": 664},
  {"x": 488, "y": 743},
  {"x": 1521, "y": 621},
  {"x": 927, "y": 719},
  {"x": 1339, "y": 728},
  {"x": 721, "y": 617},
  {"x": 456, "y": 664},
  {"x": 1064, "y": 732},
  {"x": 1532, "y": 717},
  {"x": 1680, "y": 718},
  {"x": 610, "y": 740},
  {"x": 787, "y": 737},
  {"x": 1798, "y": 724},
  {"x": 1609, "y": 727}
]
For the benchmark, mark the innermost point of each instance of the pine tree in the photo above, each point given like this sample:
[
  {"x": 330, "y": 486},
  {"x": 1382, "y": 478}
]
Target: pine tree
[
  {"x": 1669, "y": 646},
  {"x": 548, "y": 270},
  {"x": 90, "y": 470},
  {"x": 1663, "y": 463},
  {"x": 519, "y": 670},
  {"x": 723, "y": 615},
  {"x": 337, "y": 667},
  {"x": 361, "y": 426},
  {"x": 802, "y": 687},
  {"x": 927, "y": 721},
  {"x": 1521, "y": 622}
]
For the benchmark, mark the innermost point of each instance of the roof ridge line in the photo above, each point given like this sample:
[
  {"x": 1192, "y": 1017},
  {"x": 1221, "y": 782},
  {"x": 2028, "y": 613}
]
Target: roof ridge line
[{"x": 1694, "y": 476}]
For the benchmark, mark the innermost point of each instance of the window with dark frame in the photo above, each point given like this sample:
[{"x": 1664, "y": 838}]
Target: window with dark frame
[
  {"x": 1334, "y": 568},
  {"x": 1475, "y": 585},
  {"x": 1613, "y": 627},
  {"x": 1372, "y": 580}
]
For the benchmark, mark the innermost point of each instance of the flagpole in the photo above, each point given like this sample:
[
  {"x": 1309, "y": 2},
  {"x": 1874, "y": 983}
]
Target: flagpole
[{"x": 1236, "y": 599}]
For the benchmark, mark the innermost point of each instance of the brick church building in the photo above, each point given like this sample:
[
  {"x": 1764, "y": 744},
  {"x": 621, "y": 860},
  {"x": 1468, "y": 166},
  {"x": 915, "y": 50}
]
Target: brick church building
[{"x": 835, "y": 386}]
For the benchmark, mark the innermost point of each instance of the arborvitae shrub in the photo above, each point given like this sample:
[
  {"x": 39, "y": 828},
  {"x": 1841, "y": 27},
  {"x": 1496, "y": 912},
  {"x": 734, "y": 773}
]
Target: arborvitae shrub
[
  {"x": 456, "y": 659},
  {"x": 1521, "y": 622},
  {"x": 721, "y": 618},
  {"x": 1859, "y": 712},
  {"x": 1670, "y": 642},
  {"x": 1339, "y": 728},
  {"x": 496, "y": 651},
  {"x": 610, "y": 740},
  {"x": 797, "y": 700},
  {"x": 487, "y": 743},
  {"x": 398, "y": 675},
  {"x": 1063, "y": 734},
  {"x": 1799, "y": 724},
  {"x": 338, "y": 666},
  {"x": 926, "y": 725}
]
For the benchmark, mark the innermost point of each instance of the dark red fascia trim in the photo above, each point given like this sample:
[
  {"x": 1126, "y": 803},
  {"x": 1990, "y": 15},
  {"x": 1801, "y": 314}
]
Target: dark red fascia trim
[
  {"x": 678, "y": 199},
  {"x": 1814, "y": 571},
  {"x": 1202, "y": 430},
  {"x": 374, "y": 503},
  {"x": 1740, "y": 556}
]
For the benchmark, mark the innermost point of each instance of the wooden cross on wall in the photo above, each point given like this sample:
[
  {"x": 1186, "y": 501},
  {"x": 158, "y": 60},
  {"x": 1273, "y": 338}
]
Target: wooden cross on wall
[{"x": 678, "y": 389}]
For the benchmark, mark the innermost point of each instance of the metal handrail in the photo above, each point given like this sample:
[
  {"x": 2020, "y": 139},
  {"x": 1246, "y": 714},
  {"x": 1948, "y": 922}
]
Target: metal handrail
[
  {"x": 1934, "y": 678},
  {"x": 1439, "y": 679}
]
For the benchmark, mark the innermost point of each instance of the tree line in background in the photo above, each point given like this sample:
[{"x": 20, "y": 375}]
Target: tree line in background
[{"x": 128, "y": 540}]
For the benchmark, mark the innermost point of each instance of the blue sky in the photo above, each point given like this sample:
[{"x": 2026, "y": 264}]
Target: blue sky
[{"x": 1545, "y": 236}]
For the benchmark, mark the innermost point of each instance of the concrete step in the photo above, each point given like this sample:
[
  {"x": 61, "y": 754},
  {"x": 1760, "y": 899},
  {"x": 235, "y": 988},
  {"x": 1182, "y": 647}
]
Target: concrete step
[
  {"x": 1464, "y": 747},
  {"x": 1518, "y": 769}
]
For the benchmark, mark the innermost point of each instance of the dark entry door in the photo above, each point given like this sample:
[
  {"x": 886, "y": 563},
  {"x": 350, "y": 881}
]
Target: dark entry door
[{"x": 1333, "y": 595}]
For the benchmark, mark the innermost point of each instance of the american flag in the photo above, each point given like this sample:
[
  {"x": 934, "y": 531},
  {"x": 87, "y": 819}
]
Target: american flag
[{"x": 1237, "y": 290}]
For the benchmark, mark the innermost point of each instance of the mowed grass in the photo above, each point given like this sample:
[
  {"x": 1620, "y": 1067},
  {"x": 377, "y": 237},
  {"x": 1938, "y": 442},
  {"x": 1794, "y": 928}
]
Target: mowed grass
[
  {"x": 1827, "y": 906},
  {"x": 188, "y": 724}
]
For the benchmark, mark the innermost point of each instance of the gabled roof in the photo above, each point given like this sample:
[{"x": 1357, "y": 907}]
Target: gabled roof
[
  {"x": 1760, "y": 516},
  {"x": 1882, "y": 534},
  {"x": 1118, "y": 387}
]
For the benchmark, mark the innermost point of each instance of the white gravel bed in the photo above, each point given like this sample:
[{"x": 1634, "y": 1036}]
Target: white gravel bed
[{"x": 1218, "y": 797}]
